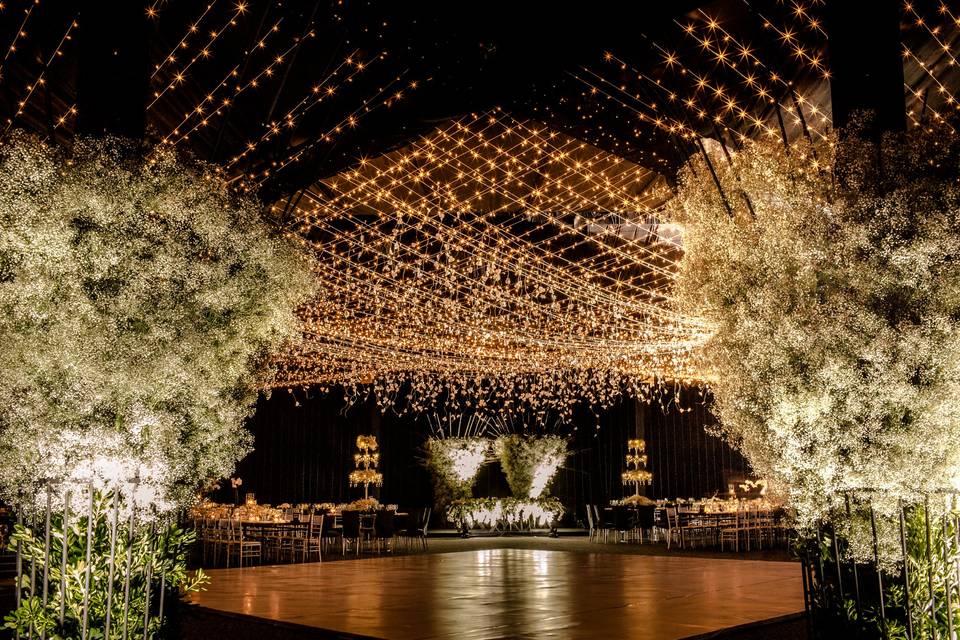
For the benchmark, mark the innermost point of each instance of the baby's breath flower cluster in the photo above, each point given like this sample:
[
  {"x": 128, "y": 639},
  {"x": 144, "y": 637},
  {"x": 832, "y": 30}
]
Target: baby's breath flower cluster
[
  {"x": 830, "y": 276},
  {"x": 138, "y": 298}
]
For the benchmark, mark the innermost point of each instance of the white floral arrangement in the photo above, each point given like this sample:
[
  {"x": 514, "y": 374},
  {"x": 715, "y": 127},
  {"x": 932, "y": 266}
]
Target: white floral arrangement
[
  {"x": 486, "y": 513},
  {"x": 530, "y": 462},
  {"x": 831, "y": 287},
  {"x": 139, "y": 302},
  {"x": 361, "y": 504},
  {"x": 637, "y": 500},
  {"x": 454, "y": 462}
]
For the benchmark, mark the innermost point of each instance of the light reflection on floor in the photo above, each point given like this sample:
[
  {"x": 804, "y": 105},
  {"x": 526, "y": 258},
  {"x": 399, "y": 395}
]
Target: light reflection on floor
[{"x": 513, "y": 593}]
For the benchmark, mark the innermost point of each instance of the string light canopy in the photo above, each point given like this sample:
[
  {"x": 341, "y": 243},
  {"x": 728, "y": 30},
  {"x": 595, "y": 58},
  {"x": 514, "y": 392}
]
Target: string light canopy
[
  {"x": 495, "y": 262},
  {"x": 492, "y": 264}
]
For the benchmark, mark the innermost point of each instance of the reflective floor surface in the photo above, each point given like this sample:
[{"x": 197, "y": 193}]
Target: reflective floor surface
[{"x": 513, "y": 593}]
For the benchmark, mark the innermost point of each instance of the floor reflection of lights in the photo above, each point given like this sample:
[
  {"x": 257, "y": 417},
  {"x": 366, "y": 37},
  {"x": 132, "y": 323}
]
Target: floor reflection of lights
[
  {"x": 485, "y": 563},
  {"x": 513, "y": 593}
]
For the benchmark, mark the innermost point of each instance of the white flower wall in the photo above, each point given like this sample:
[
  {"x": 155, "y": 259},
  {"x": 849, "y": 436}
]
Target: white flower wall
[
  {"x": 834, "y": 306},
  {"x": 139, "y": 300}
]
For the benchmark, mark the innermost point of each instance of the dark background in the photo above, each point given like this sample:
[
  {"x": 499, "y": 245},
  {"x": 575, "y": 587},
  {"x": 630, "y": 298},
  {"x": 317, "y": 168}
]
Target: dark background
[{"x": 305, "y": 443}]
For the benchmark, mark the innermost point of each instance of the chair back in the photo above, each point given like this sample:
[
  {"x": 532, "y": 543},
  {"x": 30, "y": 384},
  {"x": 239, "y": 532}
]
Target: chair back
[
  {"x": 316, "y": 526},
  {"x": 231, "y": 531},
  {"x": 412, "y": 521},
  {"x": 327, "y": 524},
  {"x": 383, "y": 524},
  {"x": 350, "y": 520},
  {"x": 673, "y": 521},
  {"x": 425, "y": 520}
]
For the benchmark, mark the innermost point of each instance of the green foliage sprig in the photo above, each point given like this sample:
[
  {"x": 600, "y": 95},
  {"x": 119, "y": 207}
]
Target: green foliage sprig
[
  {"x": 150, "y": 554},
  {"x": 934, "y": 565}
]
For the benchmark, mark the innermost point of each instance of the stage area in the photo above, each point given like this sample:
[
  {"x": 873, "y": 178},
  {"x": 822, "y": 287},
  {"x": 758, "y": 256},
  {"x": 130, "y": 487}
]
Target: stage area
[{"x": 512, "y": 593}]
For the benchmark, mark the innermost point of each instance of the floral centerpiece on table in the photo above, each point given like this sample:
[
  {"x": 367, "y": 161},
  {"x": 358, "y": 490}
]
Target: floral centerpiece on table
[
  {"x": 362, "y": 504},
  {"x": 637, "y": 500}
]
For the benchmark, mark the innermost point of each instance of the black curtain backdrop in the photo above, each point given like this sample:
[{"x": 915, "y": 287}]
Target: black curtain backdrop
[{"x": 305, "y": 441}]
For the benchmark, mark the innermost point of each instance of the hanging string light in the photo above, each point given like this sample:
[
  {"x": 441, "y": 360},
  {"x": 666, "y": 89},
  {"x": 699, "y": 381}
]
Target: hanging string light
[
  {"x": 457, "y": 268},
  {"x": 41, "y": 78}
]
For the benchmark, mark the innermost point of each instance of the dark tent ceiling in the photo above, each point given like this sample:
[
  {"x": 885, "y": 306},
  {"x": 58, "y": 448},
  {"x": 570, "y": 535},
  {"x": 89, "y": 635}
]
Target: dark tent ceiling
[{"x": 289, "y": 91}]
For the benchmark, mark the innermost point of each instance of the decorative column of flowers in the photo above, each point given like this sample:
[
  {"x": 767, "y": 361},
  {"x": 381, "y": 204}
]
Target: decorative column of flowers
[
  {"x": 140, "y": 300},
  {"x": 636, "y": 473},
  {"x": 366, "y": 462},
  {"x": 529, "y": 463}
]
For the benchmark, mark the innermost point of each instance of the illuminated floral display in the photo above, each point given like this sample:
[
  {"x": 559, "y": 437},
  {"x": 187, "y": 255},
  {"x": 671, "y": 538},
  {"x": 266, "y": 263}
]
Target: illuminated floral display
[
  {"x": 454, "y": 463},
  {"x": 138, "y": 301},
  {"x": 831, "y": 287},
  {"x": 504, "y": 513},
  {"x": 636, "y": 473},
  {"x": 366, "y": 461},
  {"x": 530, "y": 462}
]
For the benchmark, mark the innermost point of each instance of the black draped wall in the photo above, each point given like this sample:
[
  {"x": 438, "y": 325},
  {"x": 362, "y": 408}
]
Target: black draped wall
[{"x": 305, "y": 441}]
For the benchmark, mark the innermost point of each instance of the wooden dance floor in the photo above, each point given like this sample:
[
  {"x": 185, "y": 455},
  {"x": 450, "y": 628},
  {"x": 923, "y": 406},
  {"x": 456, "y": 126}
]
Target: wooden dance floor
[{"x": 512, "y": 593}]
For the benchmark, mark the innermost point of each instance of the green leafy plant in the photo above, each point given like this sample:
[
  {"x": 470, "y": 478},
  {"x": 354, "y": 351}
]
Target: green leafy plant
[
  {"x": 530, "y": 462},
  {"x": 927, "y": 588},
  {"x": 934, "y": 565},
  {"x": 453, "y": 464},
  {"x": 151, "y": 555}
]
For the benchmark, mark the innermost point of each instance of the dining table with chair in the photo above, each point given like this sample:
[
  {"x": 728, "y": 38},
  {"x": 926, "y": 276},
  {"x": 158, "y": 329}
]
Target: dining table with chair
[
  {"x": 730, "y": 525},
  {"x": 305, "y": 536}
]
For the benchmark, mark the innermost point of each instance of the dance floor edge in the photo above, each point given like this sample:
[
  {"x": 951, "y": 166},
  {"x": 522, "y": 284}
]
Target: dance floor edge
[{"x": 512, "y": 593}]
